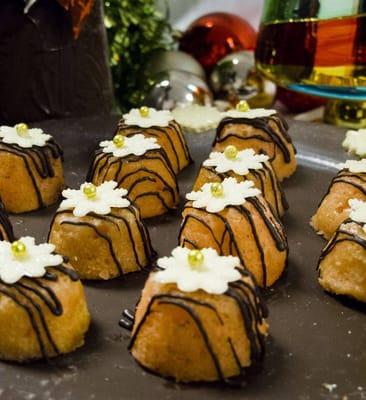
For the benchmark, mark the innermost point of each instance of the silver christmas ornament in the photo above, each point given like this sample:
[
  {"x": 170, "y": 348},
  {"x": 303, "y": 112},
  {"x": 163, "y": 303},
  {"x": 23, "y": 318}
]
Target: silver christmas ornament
[
  {"x": 174, "y": 88},
  {"x": 234, "y": 78},
  {"x": 168, "y": 60}
]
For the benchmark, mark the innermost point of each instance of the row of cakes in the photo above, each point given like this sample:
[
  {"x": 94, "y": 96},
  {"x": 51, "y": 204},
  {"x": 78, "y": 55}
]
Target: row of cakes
[
  {"x": 201, "y": 316},
  {"x": 341, "y": 220},
  {"x": 97, "y": 229}
]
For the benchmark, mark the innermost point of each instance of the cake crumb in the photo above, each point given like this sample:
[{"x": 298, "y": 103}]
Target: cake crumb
[{"x": 330, "y": 386}]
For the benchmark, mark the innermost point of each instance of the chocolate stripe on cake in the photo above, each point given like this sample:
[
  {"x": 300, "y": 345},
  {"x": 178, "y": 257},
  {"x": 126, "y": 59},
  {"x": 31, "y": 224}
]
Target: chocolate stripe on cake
[
  {"x": 6, "y": 230},
  {"x": 273, "y": 226},
  {"x": 28, "y": 293},
  {"x": 252, "y": 309},
  {"x": 282, "y": 139}
]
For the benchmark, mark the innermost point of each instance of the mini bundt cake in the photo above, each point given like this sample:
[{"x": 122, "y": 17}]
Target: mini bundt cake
[
  {"x": 43, "y": 311},
  {"x": 162, "y": 126},
  {"x": 200, "y": 318},
  {"x": 342, "y": 264},
  {"x": 349, "y": 183},
  {"x": 101, "y": 232},
  {"x": 244, "y": 165},
  {"x": 262, "y": 130},
  {"x": 31, "y": 173},
  {"x": 6, "y": 230},
  {"x": 140, "y": 165},
  {"x": 234, "y": 219}
]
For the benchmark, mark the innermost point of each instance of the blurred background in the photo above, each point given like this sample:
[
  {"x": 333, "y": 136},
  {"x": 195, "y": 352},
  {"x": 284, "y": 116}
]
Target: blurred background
[{"x": 62, "y": 58}]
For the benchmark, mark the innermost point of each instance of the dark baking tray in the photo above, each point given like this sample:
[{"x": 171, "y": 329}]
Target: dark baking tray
[{"x": 315, "y": 340}]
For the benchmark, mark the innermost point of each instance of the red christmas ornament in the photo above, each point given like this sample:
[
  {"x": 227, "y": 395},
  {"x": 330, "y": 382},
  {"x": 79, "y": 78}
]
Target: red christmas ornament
[
  {"x": 213, "y": 36},
  {"x": 298, "y": 102}
]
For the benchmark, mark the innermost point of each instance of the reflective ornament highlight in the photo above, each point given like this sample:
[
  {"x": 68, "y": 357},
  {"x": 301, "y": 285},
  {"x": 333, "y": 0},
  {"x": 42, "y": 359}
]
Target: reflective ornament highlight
[
  {"x": 231, "y": 152},
  {"x": 119, "y": 141},
  {"x": 234, "y": 78},
  {"x": 175, "y": 88},
  {"x": 213, "y": 36},
  {"x": 22, "y": 129}
]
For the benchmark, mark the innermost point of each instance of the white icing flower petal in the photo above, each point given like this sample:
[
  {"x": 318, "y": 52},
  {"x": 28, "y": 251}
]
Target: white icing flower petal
[
  {"x": 213, "y": 276},
  {"x": 245, "y": 161},
  {"x": 160, "y": 118},
  {"x": 108, "y": 196},
  {"x": 355, "y": 166},
  {"x": 234, "y": 193},
  {"x": 34, "y": 137},
  {"x": 250, "y": 114},
  {"x": 33, "y": 264},
  {"x": 136, "y": 144},
  {"x": 355, "y": 142},
  {"x": 357, "y": 211}
]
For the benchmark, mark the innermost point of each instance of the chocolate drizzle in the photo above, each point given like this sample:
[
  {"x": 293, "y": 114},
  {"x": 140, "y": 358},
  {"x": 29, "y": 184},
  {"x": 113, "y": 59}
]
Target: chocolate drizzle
[
  {"x": 103, "y": 164},
  {"x": 272, "y": 224},
  {"x": 37, "y": 161},
  {"x": 6, "y": 230},
  {"x": 30, "y": 294},
  {"x": 92, "y": 221},
  {"x": 172, "y": 133},
  {"x": 356, "y": 180},
  {"x": 252, "y": 310},
  {"x": 343, "y": 235},
  {"x": 282, "y": 139}
]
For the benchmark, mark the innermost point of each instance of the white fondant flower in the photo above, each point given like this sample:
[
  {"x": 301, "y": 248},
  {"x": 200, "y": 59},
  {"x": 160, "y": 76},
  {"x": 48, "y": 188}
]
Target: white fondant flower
[
  {"x": 34, "y": 137},
  {"x": 244, "y": 161},
  {"x": 251, "y": 114},
  {"x": 197, "y": 118},
  {"x": 32, "y": 264},
  {"x": 153, "y": 118},
  {"x": 355, "y": 142},
  {"x": 213, "y": 276},
  {"x": 107, "y": 197},
  {"x": 355, "y": 166},
  {"x": 357, "y": 210},
  {"x": 136, "y": 144},
  {"x": 234, "y": 194}
]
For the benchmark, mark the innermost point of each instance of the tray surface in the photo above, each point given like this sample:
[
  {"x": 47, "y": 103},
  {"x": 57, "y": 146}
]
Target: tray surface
[{"x": 316, "y": 340}]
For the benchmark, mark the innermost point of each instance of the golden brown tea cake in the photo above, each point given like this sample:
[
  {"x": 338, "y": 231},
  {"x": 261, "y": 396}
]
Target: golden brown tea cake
[
  {"x": 199, "y": 318},
  {"x": 43, "y": 311},
  {"x": 349, "y": 183},
  {"x": 159, "y": 124},
  {"x": 233, "y": 218},
  {"x": 342, "y": 264},
  {"x": 31, "y": 173},
  {"x": 244, "y": 165},
  {"x": 6, "y": 229},
  {"x": 101, "y": 232},
  {"x": 139, "y": 165},
  {"x": 262, "y": 130}
]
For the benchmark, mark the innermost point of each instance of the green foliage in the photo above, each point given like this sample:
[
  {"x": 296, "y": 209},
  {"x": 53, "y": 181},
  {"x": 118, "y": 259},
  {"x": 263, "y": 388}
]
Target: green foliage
[{"x": 135, "y": 29}]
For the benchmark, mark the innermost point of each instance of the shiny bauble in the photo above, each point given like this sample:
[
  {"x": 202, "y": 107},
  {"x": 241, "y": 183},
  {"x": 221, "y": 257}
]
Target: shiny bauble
[
  {"x": 296, "y": 102},
  {"x": 213, "y": 36},
  {"x": 173, "y": 88},
  {"x": 162, "y": 61},
  {"x": 234, "y": 78}
]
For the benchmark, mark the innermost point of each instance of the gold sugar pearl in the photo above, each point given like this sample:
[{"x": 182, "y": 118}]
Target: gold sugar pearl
[
  {"x": 22, "y": 129},
  {"x": 144, "y": 111},
  {"x": 231, "y": 152},
  {"x": 90, "y": 191},
  {"x": 18, "y": 248},
  {"x": 195, "y": 259},
  {"x": 119, "y": 140},
  {"x": 217, "y": 189},
  {"x": 242, "y": 106}
]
